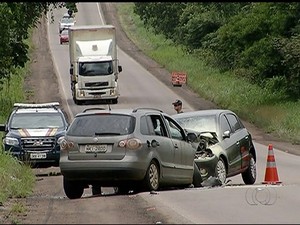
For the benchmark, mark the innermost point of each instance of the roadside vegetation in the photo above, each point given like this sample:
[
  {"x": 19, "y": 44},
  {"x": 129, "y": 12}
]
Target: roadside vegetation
[
  {"x": 241, "y": 56},
  {"x": 16, "y": 22}
]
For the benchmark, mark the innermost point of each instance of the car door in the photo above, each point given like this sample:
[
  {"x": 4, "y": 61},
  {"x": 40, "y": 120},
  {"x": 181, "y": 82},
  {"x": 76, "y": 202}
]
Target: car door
[
  {"x": 239, "y": 137},
  {"x": 230, "y": 143},
  {"x": 164, "y": 147},
  {"x": 184, "y": 153}
]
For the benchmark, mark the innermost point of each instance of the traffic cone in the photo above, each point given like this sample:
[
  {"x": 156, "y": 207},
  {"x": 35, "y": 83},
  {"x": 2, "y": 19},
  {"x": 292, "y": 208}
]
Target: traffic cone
[{"x": 271, "y": 175}]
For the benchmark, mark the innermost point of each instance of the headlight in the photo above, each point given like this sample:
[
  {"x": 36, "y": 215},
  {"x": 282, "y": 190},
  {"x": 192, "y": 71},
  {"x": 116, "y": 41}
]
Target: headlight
[{"x": 11, "y": 141}]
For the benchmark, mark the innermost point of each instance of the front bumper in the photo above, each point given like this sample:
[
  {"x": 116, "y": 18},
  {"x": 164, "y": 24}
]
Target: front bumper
[
  {"x": 206, "y": 166},
  {"x": 49, "y": 156}
]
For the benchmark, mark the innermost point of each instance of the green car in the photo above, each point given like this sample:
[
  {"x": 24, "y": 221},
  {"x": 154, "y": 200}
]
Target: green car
[
  {"x": 128, "y": 149},
  {"x": 224, "y": 146}
]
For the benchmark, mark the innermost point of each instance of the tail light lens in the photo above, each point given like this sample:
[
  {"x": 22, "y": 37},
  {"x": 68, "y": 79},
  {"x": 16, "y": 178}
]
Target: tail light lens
[{"x": 133, "y": 144}]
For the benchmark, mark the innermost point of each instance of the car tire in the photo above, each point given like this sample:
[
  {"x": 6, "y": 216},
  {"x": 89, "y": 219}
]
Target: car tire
[
  {"x": 220, "y": 171},
  {"x": 151, "y": 180},
  {"x": 249, "y": 176},
  {"x": 96, "y": 190},
  {"x": 197, "y": 178},
  {"x": 73, "y": 190}
]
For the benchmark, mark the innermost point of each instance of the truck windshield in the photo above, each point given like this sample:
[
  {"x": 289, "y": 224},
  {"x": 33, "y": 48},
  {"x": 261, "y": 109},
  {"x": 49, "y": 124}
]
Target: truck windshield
[{"x": 95, "y": 68}]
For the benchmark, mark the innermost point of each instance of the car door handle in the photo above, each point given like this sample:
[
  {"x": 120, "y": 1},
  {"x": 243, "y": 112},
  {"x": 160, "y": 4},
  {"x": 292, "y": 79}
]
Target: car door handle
[{"x": 175, "y": 146}]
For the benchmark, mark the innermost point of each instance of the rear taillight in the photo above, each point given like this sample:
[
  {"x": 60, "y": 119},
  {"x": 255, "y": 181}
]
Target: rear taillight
[
  {"x": 133, "y": 144},
  {"x": 64, "y": 144}
]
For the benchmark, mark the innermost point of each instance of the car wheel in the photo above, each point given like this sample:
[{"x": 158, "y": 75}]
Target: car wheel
[
  {"x": 249, "y": 176},
  {"x": 151, "y": 180},
  {"x": 220, "y": 171},
  {"x": 197, "y": 179},
  {"x": 96, "y": 190},
  {"x": 73, "y": 189}
]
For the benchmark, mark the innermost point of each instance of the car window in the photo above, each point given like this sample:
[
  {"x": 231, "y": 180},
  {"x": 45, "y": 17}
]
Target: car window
[
  {"x": 144, "y": 126},
  {"x": 36, "y": 120},
  {"x": 67, "y": 20},
  {"x": 102, "y": 124},
  {"x": 175, "y": 131},
  {"x": 233, "y": 121},
  {"x": 224, "y": 124},
  {"x": 158, "y": 127}
]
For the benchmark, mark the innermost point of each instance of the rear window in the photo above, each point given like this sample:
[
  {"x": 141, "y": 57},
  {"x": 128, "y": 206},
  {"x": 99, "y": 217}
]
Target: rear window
[{"x": 102, "y": 124}]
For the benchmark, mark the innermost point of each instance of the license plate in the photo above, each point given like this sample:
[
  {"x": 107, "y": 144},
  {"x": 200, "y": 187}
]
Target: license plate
[
  {"x": 38, "y": 155},
  {"x": 95, "y": 148}
]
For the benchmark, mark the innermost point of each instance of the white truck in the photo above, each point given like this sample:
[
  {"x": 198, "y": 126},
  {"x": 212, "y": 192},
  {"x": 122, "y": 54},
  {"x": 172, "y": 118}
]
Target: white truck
[{"x": 94, "y": 64}]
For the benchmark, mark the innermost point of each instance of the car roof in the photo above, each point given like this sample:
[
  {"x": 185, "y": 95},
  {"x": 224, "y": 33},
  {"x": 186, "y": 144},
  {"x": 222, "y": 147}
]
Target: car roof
[
  {"x": 205, "y": 112},
  {"x": 127, "y": 111},
  {"x": 50, "y": 107}
]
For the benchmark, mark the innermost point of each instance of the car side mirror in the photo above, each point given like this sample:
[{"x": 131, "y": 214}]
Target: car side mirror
[{"x": 226, "y": 134}]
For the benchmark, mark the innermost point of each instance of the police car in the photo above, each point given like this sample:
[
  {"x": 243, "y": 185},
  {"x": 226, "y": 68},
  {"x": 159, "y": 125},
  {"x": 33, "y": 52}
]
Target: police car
[{"x": 32, "y": 132}]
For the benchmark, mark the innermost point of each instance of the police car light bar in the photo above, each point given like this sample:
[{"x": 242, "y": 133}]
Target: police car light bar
[{"x": 36, "y": 105}]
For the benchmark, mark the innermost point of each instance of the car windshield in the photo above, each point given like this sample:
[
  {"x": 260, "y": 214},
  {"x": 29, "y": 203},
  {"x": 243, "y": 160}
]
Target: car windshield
[
  {"x": 95, "y": 68},
  {"x": 37, "y": 121},
  {"x": 67, "y": 20},
  {"x": 199, "y": 123},
  {"x": 101, "y": 124}
]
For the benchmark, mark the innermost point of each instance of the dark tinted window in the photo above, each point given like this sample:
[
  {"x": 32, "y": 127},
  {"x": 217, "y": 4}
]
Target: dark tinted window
[
  {"x": 102, "y": 124},
  {"x": 234, "y": 123},
  {"x": 224, "y": 124},
  {"x": 95, "y": 68}
]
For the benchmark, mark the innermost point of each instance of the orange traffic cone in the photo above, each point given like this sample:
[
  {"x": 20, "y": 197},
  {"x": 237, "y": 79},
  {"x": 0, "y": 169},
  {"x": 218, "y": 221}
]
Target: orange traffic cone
[{"x": 271, "y": 176}]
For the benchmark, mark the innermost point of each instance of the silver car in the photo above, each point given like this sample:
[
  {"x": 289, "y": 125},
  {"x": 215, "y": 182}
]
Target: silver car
[
  {"x": 129, "y": 149},
  {"x": 65, "y": 23},
  {"x": 224, "y": 145}
]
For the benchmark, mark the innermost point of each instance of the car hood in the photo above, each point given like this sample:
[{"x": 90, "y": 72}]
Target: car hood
[{"x": 43, "y": 132}]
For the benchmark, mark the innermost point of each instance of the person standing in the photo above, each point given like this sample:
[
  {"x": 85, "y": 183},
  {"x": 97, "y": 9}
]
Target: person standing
[{"x": 178, "y": 106}]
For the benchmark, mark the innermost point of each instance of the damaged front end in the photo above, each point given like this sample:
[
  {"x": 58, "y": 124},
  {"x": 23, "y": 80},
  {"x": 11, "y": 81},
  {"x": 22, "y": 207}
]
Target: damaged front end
[{"x": 205, "y": 159}]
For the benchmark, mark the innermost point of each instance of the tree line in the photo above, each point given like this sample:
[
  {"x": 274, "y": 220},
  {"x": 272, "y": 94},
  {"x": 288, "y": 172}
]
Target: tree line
[
  {"x": 16, "y": 19},
  {"x": 256, "y": 41}
]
